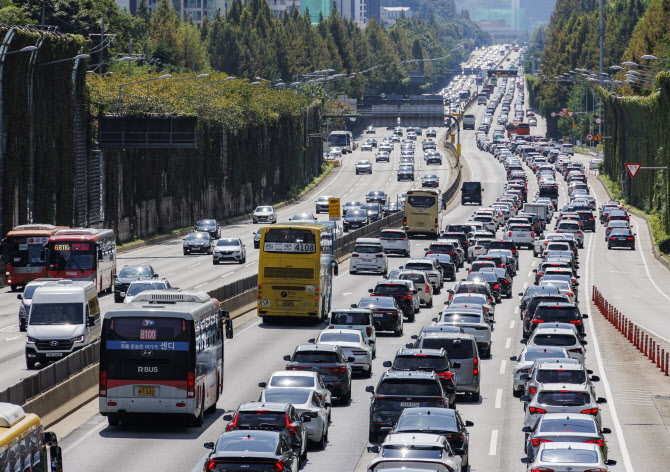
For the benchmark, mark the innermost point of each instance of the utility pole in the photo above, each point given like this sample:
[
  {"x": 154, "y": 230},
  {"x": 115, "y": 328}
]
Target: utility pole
[
  {"x": 130, "y": 54},
  {"x": 602, "y": 39}
]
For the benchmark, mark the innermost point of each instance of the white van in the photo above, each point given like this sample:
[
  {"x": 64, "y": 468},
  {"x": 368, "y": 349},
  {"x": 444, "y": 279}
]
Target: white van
[{"x": 64, "y": 317}]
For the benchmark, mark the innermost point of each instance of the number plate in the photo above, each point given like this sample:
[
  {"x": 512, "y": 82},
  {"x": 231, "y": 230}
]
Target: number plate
[
  {"x": 409, "y": 404},
  {"x": 378, "y": 315},
  {"x": 421, "y": 224},
  {"x": 146, "y": 391},
  {"x": 54, "y": 354},
  {"x": 286, "y": 303}
]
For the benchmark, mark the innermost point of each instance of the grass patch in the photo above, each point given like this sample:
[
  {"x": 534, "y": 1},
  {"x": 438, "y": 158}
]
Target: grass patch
[{"x": 614, "y": 188}]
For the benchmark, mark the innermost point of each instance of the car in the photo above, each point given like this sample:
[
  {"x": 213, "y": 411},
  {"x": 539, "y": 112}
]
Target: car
[
  {"x": 366, "y": 146},
  {"x": 615, "y": 224},
  {"x": 138, "y": 286},
  {"x": 265, "y": 214},
  {"x": 421, "y": 283},
  {"x": 433, "y": 157},
  {"x": 472, "y": 300},
  {"x": 355, "y": 318},
  {"x": 473, "y": 320},
  {"x": 309, "y": 405},
  {"x": 440, "y": 421},
  {"x": 376, "y": 196},
  {"x": 561, "y": 398},
  {"x": 621, "y": 237},
  {"x": 368, "y": 256},
  {"x": 471, "y": 287},
  {"x": 26, "y": 300},
  {"x": 415, "y": 451},
  {"x": 395, "y": 241},
  {"x": 336, "y": 152},
  {"x": 532, "y": 299},
  {"x": 532, "y": 121},
  {"x": 525, "y": 361},
  {"x": 210, "y": 226},
  {"x": 305, "y": 216},
  {"x": 573, "y": 228},
  {"x": 322, "y": 204},
  {"x": 229, "y": 249},
  {"x": 404, "y": 292},
  {"x": 556, "y": 312},
  {"x": 595, "y": 163},
  {"x": 397, "y": 390},
  {"x": 355, "y": 218},
  {"x": 489, "y": 278},
  {"x": 405, "y": 172},
  {"x": 383, "y": 156},
  {"x": 446, "y": 263},
  {"x": 430, "y": 180},
  {"x": 431, "y": 133},
  {"x": 386, "y": 313},
  {"x": 353, "y": 344},
  {"x": 257, "y": 238},
  {"x": 393, "y": 207},
  {"x": 569, "y": 371},
  {"x": 569, "y": 456},
  {"x": 329, "y": 361},
  {"x": 375, "y": 211},
  {"x": 246, "y": 449},
  {"x": 301, "y": 379},
  {"x": 429, "y": 266},
  {"x": 363, "y": 167},
  {"x": 131, "y": 273},
  {"x": 370, "y": 130},
  {"x": 427, "y": 360},
  {"x": 280, "y": 417},
  {"x": 569, "y": 339}
]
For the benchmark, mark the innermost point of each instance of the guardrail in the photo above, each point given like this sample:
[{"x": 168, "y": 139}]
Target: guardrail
[{"x": 345, "y": 243}]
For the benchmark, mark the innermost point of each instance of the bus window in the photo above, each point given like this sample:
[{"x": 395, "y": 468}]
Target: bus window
[
  {"x": 72, "y": 256},
  {"x": 421, "y": 201}
]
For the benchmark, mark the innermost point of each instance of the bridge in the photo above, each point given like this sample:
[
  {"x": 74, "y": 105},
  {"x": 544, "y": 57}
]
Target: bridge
[{"x": 411, "y": 110}]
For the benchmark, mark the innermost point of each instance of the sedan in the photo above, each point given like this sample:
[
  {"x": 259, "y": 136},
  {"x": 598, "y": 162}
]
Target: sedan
[
  {"x": 257, "y": 238},
  {"x": 306, "y": 217},
  {"x": 526, "y": 360},
  {"x": 198, "y": 242},
  {"x": 418, "y": 451},
  {"x": 353, "y": 344},
  {"x": 233, "y": 447},
  {"x": 382, "y": 156},
  {"x": 621, "y": 237},
  {"x": 569, "y": 456},
  {"x": 366, "y": 146},
  {"x": 354, "y": 219},
  {"x": 264, "y": 214},
  {"x": 229, "y": 249},
  {"x": 301, "y": 379},
  {"x": 210, "y": 226},
  {"x": 561, "y": 398},
  {"x": 363, "y": 167},
  {"x": 336, "y": 152},
  {"x": 430, "y": 180},
  {"x": 376, "y": 196}
]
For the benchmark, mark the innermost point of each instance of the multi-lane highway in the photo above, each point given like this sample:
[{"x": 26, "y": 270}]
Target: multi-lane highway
[{"x": 634, "y": 281}]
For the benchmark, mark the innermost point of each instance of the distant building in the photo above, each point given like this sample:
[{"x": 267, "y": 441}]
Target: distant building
[
  {"x": 389, "y": 15},
  {"x": 198, "y": 9},
  {"x": 503, "y": 24},
  {"x": 361, "y": 11},
  {"x": 280, "y": 6},
  {"x": 316, "y": 8}
]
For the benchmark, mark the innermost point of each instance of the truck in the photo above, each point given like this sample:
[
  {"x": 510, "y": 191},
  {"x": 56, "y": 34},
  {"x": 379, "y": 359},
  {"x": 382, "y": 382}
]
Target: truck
[
  {"x": 468, "y": 122},
  {"x": 539, "y": 209},
  {"x": 482, "y": 99},
  {"x": 471, "y": 192}
]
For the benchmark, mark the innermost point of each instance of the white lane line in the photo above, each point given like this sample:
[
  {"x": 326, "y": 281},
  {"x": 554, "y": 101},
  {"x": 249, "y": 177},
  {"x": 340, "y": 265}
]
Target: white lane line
[
  {"x": 516, "y": 310},
  {"x": 90, "y": 433},
  {"x": 499, "y": 398},
  {"x": 603, "y": 376},
  {"x": 168, "y": 275},
  {"x": 197, "y": 263},
  {"x": 503, "y": 364},
  {"x": 525, "y": 285},
  {"x": 8, "y": 328},
  {"x": 494, "y": 442},
  {"x": 511, "y": 324},
  {"x": 530, "y": 273},
  {"x": 250, "y": 264},
  {"x": 508, "y": 343},
  {"x": 14, "y": 337},
  {"x": 226, "y": 275},
  {"x": 201, "y": 285}
]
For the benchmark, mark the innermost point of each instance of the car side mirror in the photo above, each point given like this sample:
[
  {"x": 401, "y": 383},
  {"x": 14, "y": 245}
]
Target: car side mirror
[
  {"x": 371, "y": 290},
  {"x": 409, "y": 345},
  {"x": 336, "y": 269},
  {"x": 595, "y": 378},
  {"x": 434, "y": 320},
  {"x": 584, "y": 342},
  {"x": 601, "y": 400},
  {"x": 610, "y": 462},
  {"x": 414, "y": 336},
  {"x": 262, "y": 384},
  {"x": 607, "y": 431},
  {"x": 414, "y": 292},
  {"x": 351, "y": 359},
  {"x": 456, "y": 365},
  {"x": 373, "y": 449},
  {"x": 287, "y": 358},
  {"x": 19, "y": 297},
  {"x": 353, "y": 305},
  {"x": 370, "y": 389},
  {"x": 526, "y": 429},
  {"x": 311, "y": 341},
  {"x": 306, "y": 418},
  {"x": 524, "y": 341},
  {"x": 387, "y": 364},
  {"x": 209, "y": 445},
  {"x": 525, "y": 398},
  {"x": 227, "y": 417},
  {"x": 585, "y": 316}
]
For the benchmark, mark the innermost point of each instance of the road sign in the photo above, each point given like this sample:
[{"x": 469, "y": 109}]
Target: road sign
[
  {"x": 599, "y": 120},
  {"x": 561, "y": 113},
  {"x": 574, "y": 125},
  {"x": 457, "y": 114},
  {"x": 570, "y": 113},
  {"x": 597, "y": 137},
  {"x": 564, "y": 110},
  {"x": 458, "y": 149},
  {"x": 553, "y": 114},
  {"x": 334, "y": 207},
  {"x": 589, "y": 137},
  {"x": 632, "y": 169}
]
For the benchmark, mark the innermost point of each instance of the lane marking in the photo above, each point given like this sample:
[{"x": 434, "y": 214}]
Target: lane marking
[
  {"x": 494, "y": 442},
  {"x": 226, "y": 275},
  {"x": 14, "y": 337},
  {"x": 508, "y": 343},
  {"x": 197, "y": 263},
  {"x": 516, "y": 310},
  {"x": 511, "y": 324},
  {"x": 250, "y": 264},
  {"x": 201, "y": 285},
  {"x": 90, "y": 433},
  {"x": 525, "y": 285},
  {"x": 168, "y": 275},
  {"x": 503, "y": 364}
]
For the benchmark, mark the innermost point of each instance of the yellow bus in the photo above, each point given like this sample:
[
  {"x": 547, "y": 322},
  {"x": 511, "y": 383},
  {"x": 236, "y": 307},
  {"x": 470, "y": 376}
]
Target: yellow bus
[
  {"x": 295, "y": 271},
  {"x": 24, "y": 445},
  {"x": 423, "y": 212}
]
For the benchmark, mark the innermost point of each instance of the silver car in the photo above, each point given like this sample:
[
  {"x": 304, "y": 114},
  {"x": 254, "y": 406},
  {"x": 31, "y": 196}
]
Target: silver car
[
  {"x": 547, "y": 336},
  {"x": 473, "y": 321},
  {"x": 558, "y": 371},
  {"x": 571, "y": 227},
  {"x": 264, "y": 214},
  {"x": 526, "y": 360},
  {"x": 301, "y": 379},
  {"x": 322, "y": 204},
  {"x": 562, "y": 398},
  {"x": 569, "y": 457},
  {"x": 353, "y": 344},
  {"x": 309, "y": 406},
  {"x": 429, "y": 266},
  {"x": 415, "y": 451},
  {"x": 474, "y": 299},
  {"x": 363, "y": 167},
  {"x": 422, "y": 284},
  {"x": 356, "y": 318}
]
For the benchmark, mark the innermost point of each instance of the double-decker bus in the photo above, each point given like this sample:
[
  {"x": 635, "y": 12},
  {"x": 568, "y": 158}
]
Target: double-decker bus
[
  {"x": 295, "y": 271},
  {"x": 83, "y": 254},
  {"x": 163, "y": 354},
  {"x": 23, "y": 253},
  {"x": 423, "y": 212}
]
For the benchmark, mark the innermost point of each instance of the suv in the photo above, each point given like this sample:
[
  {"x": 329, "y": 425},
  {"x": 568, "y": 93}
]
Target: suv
[
  {"x": 394, "y": 241},
  {"x": 399, "y": 390},
  {"x": 327, "y": 360},
  {"x": 427, "y": 360},
  {"x": 403, "y": 291},
  {"x": 355, "y": 318},
  {"x": 429, "y": 266},
  {"x": 322, "y": 204},
  {"x": 128, "y": 275},
  {"x": 386, "y": 313},
  {"x": 368, "y": 255},
  {"x": 556, "y": 312},
  {"x": 376, "y": 196},
  {"x": 421, "y": 283}
]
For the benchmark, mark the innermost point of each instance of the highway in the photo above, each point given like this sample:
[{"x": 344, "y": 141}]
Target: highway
[{"x": 634, "y": 281}]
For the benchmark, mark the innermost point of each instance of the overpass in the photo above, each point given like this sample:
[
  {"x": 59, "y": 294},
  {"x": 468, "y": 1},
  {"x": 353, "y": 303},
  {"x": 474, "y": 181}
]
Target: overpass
[{"x": 411, "y": 110}]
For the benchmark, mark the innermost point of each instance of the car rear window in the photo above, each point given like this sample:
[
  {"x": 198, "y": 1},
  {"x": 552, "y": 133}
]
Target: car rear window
[
  {"x": 418, "y": 266},
  {"x": 570, "y": 456},
  {"x": 460, "y": 318},
  {"x": 561, "y": 376},
  {"x": 409, "y": 387},
  {"x": 392, "y": 235},
  {"x": 557, "y": 313},
  {"x": 368, "y": 249},
  {"x": 418, "y": 278},
  {"x": 391, "y": 289},
  {"x": 315, "y": 357},
  {"x": 554, "y": 340},
  {"x": 291, "y": 381},
  {"x": 350, "y": 318},
  {"x": 567, "y": 425},
  {"x": 296, "y": 396},
  {"x": 563, "y": 398},
  {"x": 261, "y": 419},
  {"x": 402, "y": 452},
  {"x": 419, "y": 362},
  {"x": 456, "y": 348},
  {"x": 531, "y": 356}
]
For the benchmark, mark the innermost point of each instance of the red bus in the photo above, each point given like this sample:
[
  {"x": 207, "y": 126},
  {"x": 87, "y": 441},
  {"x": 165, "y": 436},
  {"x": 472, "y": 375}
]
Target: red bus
[
  {"x": 23, "y": 253},
  {"x": 523, "y": 129},
  {"x": 83, "y": 254}
]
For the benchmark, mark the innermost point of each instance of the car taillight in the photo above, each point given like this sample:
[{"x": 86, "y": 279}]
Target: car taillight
[
  {"x": 445, "y": 375},
  {"x": 429, "y": 252},
  {"x": 190, "y": 385},
  {"x": 576, "y": 322},
  {"x": 532, "y": 390},
  {"x": 590, "y": 411},
  {"x": 496, "y": 287},
  {"x": 599, "y": 442},
  {"x": 537, "y": 441},
  {"x": 279, "y": 465},
  {"x": 612, "y": 237},
  {"x": 536, "y": 411},
  {"x": 290, "y": 428},
  {"x": 259, "y": 292},
  {"x": 102, "y": 390},
  {"x": 233, "y": 424},
  {"x": 427, "y": 288},
  {"x": 368, "y": 331},
  {"x": 538, "y": 321},
  {"x": 435, "y": 222},
  {"x": 510, "y": 233},
  {"x": 630, "y": 239},
  {"x": 331, "y": 327},
  {"x": 337, "y": 370},
  {"x": 211, "y": 465}
]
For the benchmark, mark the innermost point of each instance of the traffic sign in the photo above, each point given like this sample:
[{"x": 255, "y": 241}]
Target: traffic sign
[
  {"x": 553, "y": 114},
  {"x": 457, "y": 114},
  {"x": 458, "y": 149},
  {"x": 632, "y": 169},
  {"x": 570, "y": 113},
  {"x": 597, "y": 137},
  {"x": 589, "y": 137},
  {"x": 574, "y": 125},
  {"x": 334, "y": 207},
  {"x": 561, "y": 113},
  {"x": 599, "y": 120},
  {"x": 564, "y": 110}
]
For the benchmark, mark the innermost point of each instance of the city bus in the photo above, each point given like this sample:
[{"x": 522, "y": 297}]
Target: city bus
[
  {"x": 423, "y": 212},
  {"x": 23, "y": 253},
  {"x": 163, "y": 354},
  {"x": 83, "y": 254},
  {"x": 295, "y": 271},
  {"x": 343, "y": 140},
  {"x": 24, "y": 445}
]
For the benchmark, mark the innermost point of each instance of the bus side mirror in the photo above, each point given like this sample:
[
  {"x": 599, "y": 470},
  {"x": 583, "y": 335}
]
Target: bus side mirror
[
  {"x": 56, "y": 458},
  {"x": 229, "y": 325},
  {"x": 99, "y": 254},
  {"x": 336, "y": 269}
]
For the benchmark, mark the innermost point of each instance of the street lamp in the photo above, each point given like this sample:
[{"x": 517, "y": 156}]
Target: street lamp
[
  {"x": 75, "y": 58},
  {"x": 649, "y": 57},
  {"x": 122, "y": 86},
  {"x": 216, "y": 81}
]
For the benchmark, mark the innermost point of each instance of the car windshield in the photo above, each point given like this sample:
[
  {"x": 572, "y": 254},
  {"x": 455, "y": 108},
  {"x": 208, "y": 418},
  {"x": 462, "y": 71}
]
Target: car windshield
[
  {"x": 410, "y": 387},
  {"x": 315, "y": 357},
  {"x": 194, "y": 236},
  {"x": 340, "y": 337},
  {"x": 140, "y": 287},
  {"x": 206, "y": 223},
  {"x": 134, "y": 272},
  {"x": 356, "y": 214},
  {"x": 296, "y": 396},
  {"x": 561, "y": 376},
  {"x": 554, "y": 340},
  {"x": 413, "y": 452},
  {"x": 391, "y": 289},
  {"x": 264, "y": 209},
  {"x": 57, "y": 314},
  {"x": 567, "y": 425},
  {"x": 228, "y": 242},
  {"x": 251, "y": 443},
  {"x": 456, "y": 348},
  {"x": 419, "y": 362},
  {"x": 425, "y": 422}
]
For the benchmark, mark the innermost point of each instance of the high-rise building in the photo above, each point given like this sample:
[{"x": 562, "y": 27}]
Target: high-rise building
[
  {"x": 198, "y": 9},
  {"x": 280, "y": 6}
]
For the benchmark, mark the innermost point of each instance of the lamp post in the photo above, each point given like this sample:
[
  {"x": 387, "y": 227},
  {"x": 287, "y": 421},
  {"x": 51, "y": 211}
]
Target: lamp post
[
  {"x": 649, "y": 57},
  {"x": 122, "y": 86},
  {"x": 217, "y": 81}
]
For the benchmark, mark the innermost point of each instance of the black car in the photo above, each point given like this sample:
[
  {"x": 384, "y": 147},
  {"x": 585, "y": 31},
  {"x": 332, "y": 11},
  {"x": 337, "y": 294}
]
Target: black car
[
  {"x": 128, "y": 275},
  {"x": 427, "y": 360},
  {"x": 329, "y": 361},
  {"x": 588, "y": 220},
  {"x": 252, "y": 450},
  {"x": 386, "y": 313},
  {"x": 440, "y": 421},
  {"x": 446, "y": 263},
  {"x": 354, "y": 219},
  {"x": 529, "y": 311},
  {"x": 198, "y": 242},
  {"x": 621, "y": 237},
  {"x": 210, "y": 226},
  {"x": 405, "y": 297},
  {"x": 257, "y": 238},
  {"x": 392, "y": 207},
  {"x": 399, "y": 390},
  {"x": 374, "y": 210},
  {"x": 509, "y": 245},
  {"x": 461, "y": 236},
  {"x": 376, "y": 196},
  {"x": 504, "y": 279},
  {"x": 491, "y": 279},
  {"x": 557, "y": 312}
]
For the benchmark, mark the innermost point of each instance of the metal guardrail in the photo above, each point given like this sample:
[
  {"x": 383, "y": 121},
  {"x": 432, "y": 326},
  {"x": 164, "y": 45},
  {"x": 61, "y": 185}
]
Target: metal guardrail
[
  {"x": 345, "y": 243},
  {"x": 233, "y": 289}
]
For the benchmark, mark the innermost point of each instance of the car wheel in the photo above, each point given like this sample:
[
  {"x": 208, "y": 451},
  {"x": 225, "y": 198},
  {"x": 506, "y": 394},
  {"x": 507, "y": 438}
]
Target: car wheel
[
  {"x": 185, "y": 253},
  {"x": 303, "y": 455},
  {"x": 411, "y": 317},
  {"x": 321, "y": 444},
  {"x": 474, "y": 397},
  {"x": 609, "y": 247},
  {"x": 113, "y": 419},
  {"x": 430, "y": 303},
  {"x": 633, "y": 248},
  {"x": 368, "y": 374},
  {"x": 437, "y": 291},
  {"x": 373, "y": 437},
  {"x": 215, "y": 262},
  {"x": 30, "y": 365},
  {"x": 346, "y": 398}
]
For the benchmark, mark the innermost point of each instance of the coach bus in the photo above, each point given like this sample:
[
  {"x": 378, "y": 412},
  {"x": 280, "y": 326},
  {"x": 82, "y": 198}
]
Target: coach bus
[
  {"x": 83, "y": 254},
  {"x": 163, "y": 354},
  {"x": 295, "y": 271},
  {"x": 343, "y": 140},
  {"x": 23, "y": 253},
  {"x": 423, "y": 212}
]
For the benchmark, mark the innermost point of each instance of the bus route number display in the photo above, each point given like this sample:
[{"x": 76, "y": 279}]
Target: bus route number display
[
  {"x": 305, "y": 248},
  {"x": 71, "y": 247}
]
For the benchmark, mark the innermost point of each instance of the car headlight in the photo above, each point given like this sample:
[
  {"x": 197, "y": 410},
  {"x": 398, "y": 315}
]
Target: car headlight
[
  {"x": 30, "y": 340},
  {"x": 79, "y": 339},
  {"x": 22, "y": 310}
]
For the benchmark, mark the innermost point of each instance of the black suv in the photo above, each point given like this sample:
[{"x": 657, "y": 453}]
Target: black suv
[
  {"x": 386, "y": 313},
  {"x": 405, "y": 297},
  {"x": 509, "y": 245},
  {"x": 128, "y": 275},
  {"x": 428, "y": 360},
  {"x": 375, "y": 210},
  {"x": 588, "y": 220},
  {"x": 209, "y": 226},
  {"x": 327, "y": 360},
  {"x": 399, "y": 390},
  {"x": 376, "y": 196},
  {"x": 556, "y": 312}
]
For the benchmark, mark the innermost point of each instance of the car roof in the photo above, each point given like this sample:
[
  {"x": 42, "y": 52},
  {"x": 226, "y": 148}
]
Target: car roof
[
  {"x": 571, "y": 387},
  {"x": 424, "y": 439},
  {"x": 254, "y": 406},
  {"x": 374, "y": 241},
  {"x": 316, "y": 347},
  {"x": 413, "y": 351}
]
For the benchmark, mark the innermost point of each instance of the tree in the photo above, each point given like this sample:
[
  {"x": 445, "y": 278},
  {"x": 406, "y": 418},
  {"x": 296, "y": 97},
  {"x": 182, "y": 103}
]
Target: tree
[{"x": 164, "y": 31}]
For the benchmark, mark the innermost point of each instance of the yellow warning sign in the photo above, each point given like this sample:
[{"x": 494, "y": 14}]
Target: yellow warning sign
[
  {"x": 458, "y": 149},
  {"x": 574, "y": 125},
  {"x": 597, "y": 137},
  {"x": 453, "y": 138},
  {"x": 334, "y": 207}
]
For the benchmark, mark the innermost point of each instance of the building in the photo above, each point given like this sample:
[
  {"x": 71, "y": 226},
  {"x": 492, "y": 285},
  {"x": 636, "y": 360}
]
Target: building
[
  {"x": 505, "y": 25},
  {"x": 316, "y": 8},
  {"x": 280, "y": 6},
  {"x": 198, "y": 9},
  {"x": 389, "y": 15}
]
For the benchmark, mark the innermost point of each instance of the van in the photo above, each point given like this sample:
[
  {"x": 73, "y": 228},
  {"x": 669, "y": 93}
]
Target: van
[
  {"x": 468, "y": 122},
  {"x": 64, "y": 317},
  {"x": 471, "y": 192}
]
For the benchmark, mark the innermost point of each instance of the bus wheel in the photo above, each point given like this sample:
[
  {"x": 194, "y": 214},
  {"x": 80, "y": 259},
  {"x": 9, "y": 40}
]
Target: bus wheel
[
  {"x": 199, "y": 419},
  {"x": 267, "y": 320},
  {"x": 113, "y": 419},
  {"x": 14, "y": 288}
]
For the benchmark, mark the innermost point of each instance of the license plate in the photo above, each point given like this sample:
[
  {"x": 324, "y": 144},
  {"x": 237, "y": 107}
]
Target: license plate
[
  {"x": 286, "y": 303},
  {"x": 146, "y": 391},
  {"x": 54, "y": 354},
  {"x": 421, "y": 224},
  {"x": 409, "y": 404},
  {"x": 378, "y": 315}
]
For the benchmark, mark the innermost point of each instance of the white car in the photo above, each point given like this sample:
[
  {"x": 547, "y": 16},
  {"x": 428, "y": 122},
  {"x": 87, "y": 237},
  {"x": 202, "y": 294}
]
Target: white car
[
  {"x": 300, "y": 379},
  {"x": 569, "y": 339},
  {"x": 526, "y": 360},
  {"x": 336, "y": 152},
  {"x": 561, "y": 398},
  {"x": 569, "y": 457},
  {"x": 594, "y": 163},
  {"x": 138, "y": 286},
  {"x": 265, "y": 214},
  {"x": 394, "y": 241},
  {"x": 229, "y": 249},
  {"x": 368, "y": 255},
  {"x": 522, "y": 235},
  {"x": 353, "y": 344},
  {"x": 363, "y": 167},
  {"x": 415, "y": 451},
  {"x": 366, "y": 146}
]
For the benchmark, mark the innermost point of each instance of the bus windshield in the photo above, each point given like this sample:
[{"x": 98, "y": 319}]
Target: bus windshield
[
  {"x": 71, "y": 256},
  {"x": 339, "y": 140},
  {"x": 22, "y": 253},
  {"x": 421, "y": 201},
  {"x": 290, "y": 241}
]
